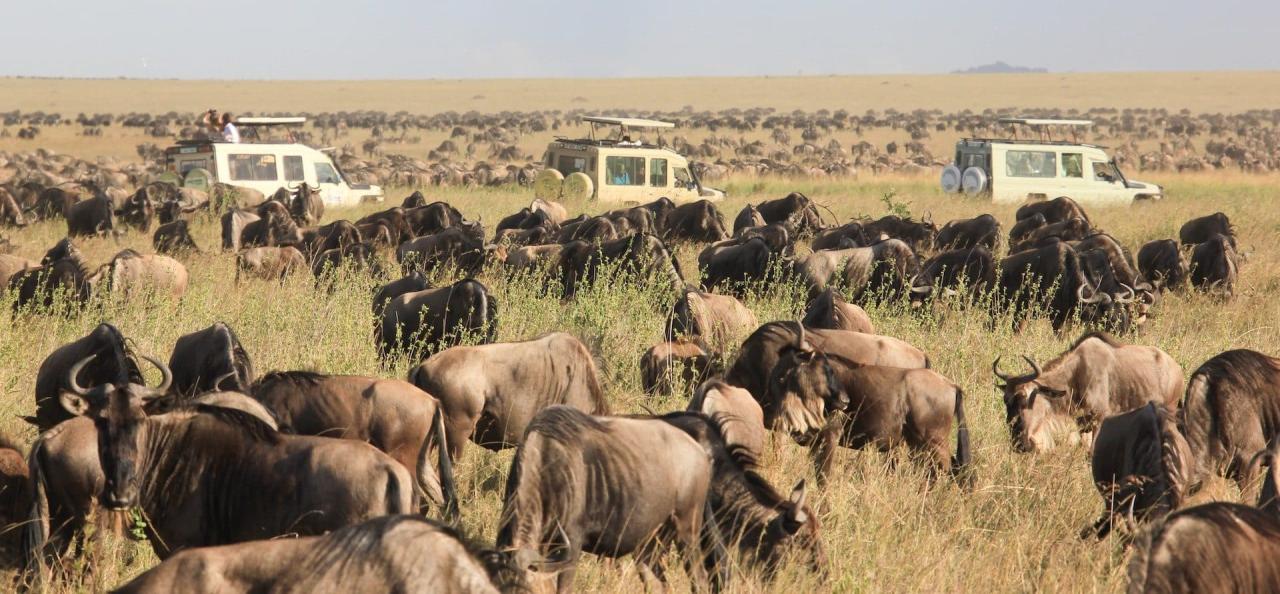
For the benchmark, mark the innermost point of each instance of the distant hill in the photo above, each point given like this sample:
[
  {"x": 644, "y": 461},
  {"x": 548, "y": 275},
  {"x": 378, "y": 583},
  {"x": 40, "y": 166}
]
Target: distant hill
[{"x": 998, "y": 68}]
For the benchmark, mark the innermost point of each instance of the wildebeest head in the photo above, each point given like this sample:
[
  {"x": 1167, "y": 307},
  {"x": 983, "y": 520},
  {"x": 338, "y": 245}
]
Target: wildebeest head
[
  {"x": 138, "y": 211},
  {"x": 802, "y": 389},
  {"x": 63, "y": 250},
  {"x": 795, "y": 531},
  {"x": 1028, "y": 409},
  {"x": 117, "y": 412}
]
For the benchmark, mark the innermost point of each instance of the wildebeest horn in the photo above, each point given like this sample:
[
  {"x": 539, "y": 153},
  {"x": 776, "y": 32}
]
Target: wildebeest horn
[
  {"x": 72, "y": 384},
  {"x": 166, "y": 375},
  {"x": 1013, "y": 380},
  {"x": 1128, "y": 299},
  {"x": 1095, "y": 297},
  {"x": 800, "y": 336},
  {"x": 222, "y": 378}
]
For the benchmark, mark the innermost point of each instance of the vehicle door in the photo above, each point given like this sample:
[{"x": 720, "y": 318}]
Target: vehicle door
[
  {"x": 659, "y": 179},
  {"x": 332, "y": 189},
  {"x": 682, "y": 186},
  {"x": 624, "y": 179},
  {"x": 1107, "y": 183},
  {"x": 1071, "y": 179}
]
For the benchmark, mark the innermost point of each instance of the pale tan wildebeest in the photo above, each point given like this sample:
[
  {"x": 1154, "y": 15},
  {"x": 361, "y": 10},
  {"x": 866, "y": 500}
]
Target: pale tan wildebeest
[
  {"x": 741, "y": 418},
  {"x": 132, "y": 275},
  {"x": 720, "y": 320},
  {"x": 830, "y": 311},
  {"x": 1141, "y": 466},
  {"x": 670, "y": 366},
  {"x": 269, "y": 262},
  {"x": 1231, "y": 413}
]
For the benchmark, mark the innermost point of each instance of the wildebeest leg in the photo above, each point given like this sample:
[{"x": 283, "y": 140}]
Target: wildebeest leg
[
  {"x": 653, "y": 572},
  {"x": 823, "y": 448}
]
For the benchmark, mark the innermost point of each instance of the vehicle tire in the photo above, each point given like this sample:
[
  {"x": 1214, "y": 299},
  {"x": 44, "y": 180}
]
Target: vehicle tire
[
  {"x": 547, "y": 184},
  {"x": 974, "y": 181},
  {"x": 577, "y": 186},
  {"x": 950, "y": 179}
]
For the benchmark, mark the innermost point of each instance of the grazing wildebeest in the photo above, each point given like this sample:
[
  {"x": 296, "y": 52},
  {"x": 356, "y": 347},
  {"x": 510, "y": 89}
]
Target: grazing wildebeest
[
  {"x": 450, "y": 245},
  {"x": 695, "y": 221},
  {"x": 392, "y": 415},
  {"x": 174, "y": 238},
  {"x": 210, "y": 360},
  {"x": 133, "y": 275},
  {"x": 414, "y": 281},
  {"x": 525, "y": 218},
  {"x": 1231, "y": 413},
  {"x": 234, "y": 222},
  {"x": 883, "y": 268},
  {"x": 1054, "y": 211},
  {"x": 15, "y": 492},
  {"x": 830, "y": 311},
  {"x": 523, "y": 237},
  {"x": 210, "y": 475},
  {"x": 740, "y": 417},
  {"x": 673, "y": 365},
  {"x": 461, "y": 308},
  {"x": 490, "y": 393},
  {"x": 272, "y": 229},
  {"x": 1161, "y": 262},
  {"x": 554, "y": 210},
  {"x": 137, "y": 211},
  {"x": 532, "y": 257},
  {"x": 719, "y": 319},
  {"x": 270, "y": 262},
  {"x": 62, "y": 272},
  {"x": 1051, "y": 278},
  {"x": 1202, "y": 229},
  {"x": 394, "y": 219},
  {"x": 95, "y": 216},
  {"x": 436, "y": 217},
  {"x": 662, "y": 209},
  {"x": 748, "y": 217},
  {"x": 823, "y": 399},
  {"x": 387, "y": 554},
  {"x": 1214, "y": 548},
  {"x": 361, "y": 257},
  {"x": 848, "y": 235},
  {"x": 335, "y": 235},
  {"x": 797, "y": 208},
  {"x": 917, "y": 234},
  {"x": 1073, "y": 229},
  {"x": 307, "y": 206},
  {"x": 592, "y": 230},
  {"x": 776, "y": 235},
  {"x": 637, "y": 220},
  {"x": 642, "y": 255},
  {"x": 54, "y": 202},
  {"x": 414, "y": 200},
  {"x": 761, "y": 350},
  {"x": 585, "y": 483},
  {"x": 954, "y": 270},
  {"x": 980, "y": 231},
  {"x": 735, "y": 268},
  {"x": 1096, "y": 378},
  {"x": 112, "y": 361},
  {"x": 1020, "y": 230},
  {"x": 1215, "y": 266},
  {"x": 10, "y": 212},
  {"x": 1141, "y": 466}
]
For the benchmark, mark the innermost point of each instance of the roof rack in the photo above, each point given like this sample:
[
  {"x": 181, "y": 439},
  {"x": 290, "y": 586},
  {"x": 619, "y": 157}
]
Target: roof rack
[
  {"x": 1044, "y": 126},
  {"x": 624, "y": 124},
  {"x": 1033, "y": 141},
  {"x": 264, "y": 121}
]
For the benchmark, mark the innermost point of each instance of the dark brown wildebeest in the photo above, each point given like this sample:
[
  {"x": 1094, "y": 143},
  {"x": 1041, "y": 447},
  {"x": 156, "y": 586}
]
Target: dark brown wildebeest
[
  {"x": 780, "y": 240},
  {"x": 1161, "y": 262},
  {"x": 1051, "y": 278},
  {"x": 1096, "y": 378},
  {"x": 212, "y": 476},
  {"x": 414, "y": 200},
  {"x": 450, "y": 245},
  {"x": 410, "y": 283},
  {"x": 15, "y": 493},
  {"x": 524, "y": 237},
  {"x": 174, "y": 238},
  {"x": 95, "y": 216},
  {"x": 760, "y": 352},
  {"x": 637, "y": 220},
  {"x": 436, "y": 217},
  {"x": 662, "y": 209},
  {"x": 336, "y": 235},
  {"x": 796, "y": 207},
  {"x": 270, "y": 262},
  {"x": 1057, "y": 210},
  {"x": 137, "y": 211},
  {"x": 980, "y": 231},
  {"x": 1020, "y": 230},
  {"x": 830, "y": 311},
  {"x": 465, "y": 307},
  {"x": 271, "y": 230},
  {"x": 1073, "y": 229},
  {"x": 592, "y": 230},
  {"x": 378, "y": 233},
  {"x": 1141, "y": 466},
  {"x": 917, "y": 234},
  {"x": 392, "y": 415},
  {"x": 395, "y": 220},
  {"x": 641, "y": 255},
  {"x": 1214, "y": 548},
  {"x": 1215, "y": 266},
  {"x": 525, "y": 218},
  {"x": 695, "y": 221},
  {"x": 736, "y": 268},
  {"x": 490, "y": 393},
  {"x": 234, "y": 222},
  {"x": 848, "y": 235},
  {"x": 360, "y": 257},
  {"x": 307, "y": 206},
  {"x": 53, "y": 202},
  {"x": 740, "y": 417},
  {"x": 639, "y": 504},
  {"x": 64, "y": 280},
  {"x": 112, "y": 361},
  {"x": 671, "y": 366},
  {"x": 719, "y": 319},
  {"x": 954, "y": 270},
  {"x": 210, "y": 360},
  {"x": 386, "y": 554},
  {"x": 748, "y": 217},
  {"x": 823, "y": 399},
  {"x": 1202, "y": 229},
  {"x": 1231, "y": 413},
  {"x": 133, "y": 275}
]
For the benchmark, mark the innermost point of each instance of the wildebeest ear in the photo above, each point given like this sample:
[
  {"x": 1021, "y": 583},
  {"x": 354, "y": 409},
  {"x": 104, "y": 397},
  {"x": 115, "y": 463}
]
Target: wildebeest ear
[
  {"x": 798, "y": 513},
  {"x": 74, "y": 403}
]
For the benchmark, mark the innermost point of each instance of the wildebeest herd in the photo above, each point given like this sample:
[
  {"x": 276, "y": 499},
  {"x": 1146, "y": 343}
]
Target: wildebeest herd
[{"x": 217, "y": 460}]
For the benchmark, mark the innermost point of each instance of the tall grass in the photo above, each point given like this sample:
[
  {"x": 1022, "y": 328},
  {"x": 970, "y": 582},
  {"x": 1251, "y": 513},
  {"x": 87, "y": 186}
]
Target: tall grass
[{"x": 883, "y": 528}]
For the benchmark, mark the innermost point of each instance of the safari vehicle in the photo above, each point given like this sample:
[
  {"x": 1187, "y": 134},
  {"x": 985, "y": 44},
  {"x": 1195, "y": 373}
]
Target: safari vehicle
[
  {"x": 617, "y": 168},
  {"x": 263, "y": 166},
  {"x": 1016, "y": 170}
]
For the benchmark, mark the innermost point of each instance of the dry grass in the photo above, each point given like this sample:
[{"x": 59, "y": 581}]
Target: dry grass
[{"x": 884, "y": 531}]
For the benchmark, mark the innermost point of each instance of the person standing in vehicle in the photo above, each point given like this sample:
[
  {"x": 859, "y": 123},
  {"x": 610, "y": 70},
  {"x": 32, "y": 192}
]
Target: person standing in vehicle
[{"x": 229, "y": 131}]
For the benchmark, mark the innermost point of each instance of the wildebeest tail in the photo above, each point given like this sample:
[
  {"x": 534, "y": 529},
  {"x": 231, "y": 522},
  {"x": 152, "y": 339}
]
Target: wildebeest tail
[
  {"x": 1140, "y": 560},
  {"x": 961, "y": 465},
  {"x": 444, "y": 465},
  {"x": 715, "y": 553},
  {"x": 1196, "y": 419},
  {"x": 35, "y": 534},
  {"x": 393, "y": 495},
  {"x": 1172, "y": 462}
]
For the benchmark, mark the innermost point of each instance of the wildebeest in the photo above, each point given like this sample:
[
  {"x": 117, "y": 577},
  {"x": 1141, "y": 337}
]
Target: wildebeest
[
  {"x": 735, "y": 268},
  {"x": 270, "y": 262},
  {"x": 848, "y": 235},
  {"x": 775, "y": 235},
  {"x": 1214, "y": 548},
  {"x": 358, "y": 257},
  {"x": 95, "y": 216},
  {"x": 980, "y": 231},
  {"x": 10, "y": 266},
  {"x": 591, "y": 230},
  {"x": 15, "y": 495},
  {"x": 1096, "y": 378},
  {"x": 395, "y": 220},
  {"x": 307, "y": 206},
  {"x": 954, "y": 270},
  {"x": 450, "y": 245},
  {"x": 884, "y": 268},
  {"x": 1202, "y": 229},
  {"x": 434, "y": 218},
  {"x": 675, "y": 364},
  {"x": 1215, "y": 266},
  {"x": 137, "y": 211},
  {"x": 133, "y": 275},
  {"x": 1073, "y": 229},
  {"x": 695, "y": 221},
  {"x": 533, "y": 257},
  {"x": 234, "y": 222},
  {"x": 10, "y": 212},
  {"x": 748, "y": 217},
  {"x": 637, "y": 220},
  {"x": 761, "y": 350},
  {"x": 523, "y": 237},
  {"x": 740, "y": 418},
  {"x": 269, "y": 230},
  {"x": 490, "y": 393},
  {"x": 583, "y": 483},
  {"x": 830, "y": 311},
  {"x": 414, "y": 281},
  {"x": 1056, "y": 210},
  {"x": 336, "y": 235},
  {"x": 1161, "y": 262},
  {"x": 214, "y": 476},
  {"x": 392, "y": 415},
  {"x": 1231, "y": 413},
  {"x": 718, "y": 319},
  {"x": 450, "y": 312},
  {"x": 62, "y": 274},
  {"x": 112, "y": 361},
  {"x": 386, "y": 554},
  {"x": 1141, "y": 466},
  {"x": 823, "y": 399},
  {"x": 1052, "y": 278},
  {"x": 916, "y": 234},
  {"x": 644, "y": 255},
  {"x": 795, "y": 207},
  {"x": 1024, "y": 227},
  {"x": 210, "y": 360},
  {"x": 174, "y": 238}
]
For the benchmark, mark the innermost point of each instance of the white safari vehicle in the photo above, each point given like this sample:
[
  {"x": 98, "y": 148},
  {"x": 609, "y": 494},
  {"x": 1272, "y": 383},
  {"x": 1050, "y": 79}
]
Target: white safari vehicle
[
  {"x": 617, "y": 168},
  {"x": 1017, "y": 170},
  {"x": 263, "y": 166}
]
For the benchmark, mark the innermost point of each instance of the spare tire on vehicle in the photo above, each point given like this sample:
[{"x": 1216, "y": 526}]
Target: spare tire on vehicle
[
  {"x": 974, "y": 181},
  {"x": 950, "y": 179},
  {"x": 577, "y": 186},
  {"x": 547, "y": 184}
]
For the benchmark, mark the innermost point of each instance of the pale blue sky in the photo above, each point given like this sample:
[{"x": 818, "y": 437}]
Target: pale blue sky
[{"x": 332, "y": 39}]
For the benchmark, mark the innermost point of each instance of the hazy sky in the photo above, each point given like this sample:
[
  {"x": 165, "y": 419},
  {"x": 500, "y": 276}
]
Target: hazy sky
[{"x": 341, "y": 39}]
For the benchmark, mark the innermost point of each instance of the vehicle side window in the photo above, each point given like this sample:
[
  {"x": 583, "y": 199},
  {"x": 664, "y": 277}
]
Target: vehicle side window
[
  {"x": 1031, "y": 164},
  {"x": 1072, "y": 165},
  {"x": 253, "y": 167},
  {"x": 186, "y": 166},
  {"x": 658, "y": 173},
  {"x": 624, "y": 171},
  {"x": 326, "y": 175},
  {"x": 571, "y": 164},
  {"x": 293, "y": 170},
  {"x": 683, "y": 179},
  {"x": 1103, "y": 171}
]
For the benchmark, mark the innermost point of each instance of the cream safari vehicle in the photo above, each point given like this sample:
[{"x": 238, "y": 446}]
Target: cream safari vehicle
[
  {"x": 263, "y": 166},
  {"x": 1018, "y": 170},
  {"x": 617, "y": 168}
]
